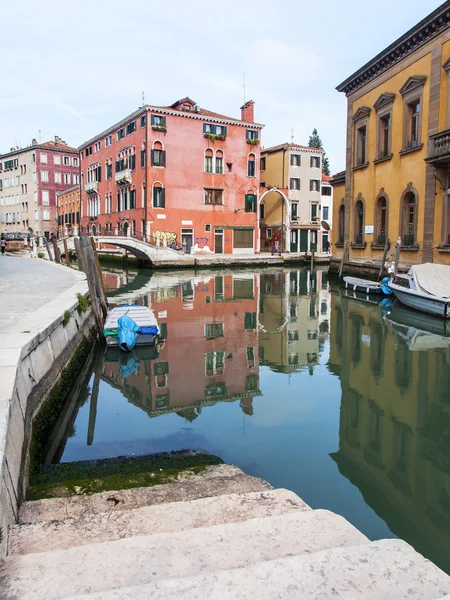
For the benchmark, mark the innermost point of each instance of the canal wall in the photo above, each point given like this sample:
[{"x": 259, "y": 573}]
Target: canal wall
[{"x": 34, "y": 349}]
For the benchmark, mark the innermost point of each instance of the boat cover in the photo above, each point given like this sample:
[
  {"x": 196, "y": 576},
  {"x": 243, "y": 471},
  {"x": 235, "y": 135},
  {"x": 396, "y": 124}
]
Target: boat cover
[
  {"x": 432, "y": 279},
  {"x": 128, "y": 330}
]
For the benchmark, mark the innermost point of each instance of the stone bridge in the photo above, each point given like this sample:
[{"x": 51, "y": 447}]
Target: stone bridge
[{"x": 146, "y": 254}]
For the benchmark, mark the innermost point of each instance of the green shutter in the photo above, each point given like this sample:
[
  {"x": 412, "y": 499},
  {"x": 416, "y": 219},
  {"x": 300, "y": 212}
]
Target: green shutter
[
  {"x": 163, "y": 121},
  {"x": 153, "y": 157},
  {"x": 224, "y": 131},
  {"x": 163, "y": 158},
  {"x": 163, "y": 198}
]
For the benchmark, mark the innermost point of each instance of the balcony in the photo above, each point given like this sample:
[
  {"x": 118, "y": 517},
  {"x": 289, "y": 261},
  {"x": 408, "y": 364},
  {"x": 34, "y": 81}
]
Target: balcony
[
  {"x": 123, "y": 177},
  {"x": 439, "y": 147},
  {"x": 91, "y": 187}
]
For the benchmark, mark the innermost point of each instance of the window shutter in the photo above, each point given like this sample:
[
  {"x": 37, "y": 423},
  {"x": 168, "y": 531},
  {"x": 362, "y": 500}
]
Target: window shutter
[
  {"x": 118, "y": 202},
  {"x": 205, "y": 127},
  {"x": 99, "y": 173},
  {"x": 142, "y": 158},
  {"x": 163, "y": 121},
  {"x": 163, "y": 153},
  {"x": 133, "y": 162},
  {"x": 310, "y": 185},
  {"x": 117, "y": 165},
  {"x": 163, "y": 198},
  {"x": 153, "y": 157}
]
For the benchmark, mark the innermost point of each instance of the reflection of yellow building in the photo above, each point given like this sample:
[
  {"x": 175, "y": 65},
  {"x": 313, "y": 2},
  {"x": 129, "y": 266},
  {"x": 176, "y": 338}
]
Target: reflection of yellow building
[
  {"x": 398, "y": 150},
  {"x": 394, "y": 420},
  {"x": 292, "y": 308}
]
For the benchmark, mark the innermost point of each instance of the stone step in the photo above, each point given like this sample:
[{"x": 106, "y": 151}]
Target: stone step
[
  {"x": 139, "y": 560},
  {"x": 149, "y": 520},
  {"x": 213, "y": 481},
  {"x": 375, "y": 571}
]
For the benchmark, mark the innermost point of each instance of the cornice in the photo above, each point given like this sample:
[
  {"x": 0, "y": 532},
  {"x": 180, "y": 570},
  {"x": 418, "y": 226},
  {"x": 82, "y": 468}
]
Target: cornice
[{"x": 422, "y": 33}]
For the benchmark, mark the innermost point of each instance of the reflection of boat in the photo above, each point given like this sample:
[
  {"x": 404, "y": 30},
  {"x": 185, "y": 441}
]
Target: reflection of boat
[
  {"x": 368, "y": 298},
  {"x": 418, "y": 330},
  {"x": 131, "y": 325},
  {"x": 113, "y": 353},
  {"x": 425, "y": 288},
  {"x": 368, "y": 287}
]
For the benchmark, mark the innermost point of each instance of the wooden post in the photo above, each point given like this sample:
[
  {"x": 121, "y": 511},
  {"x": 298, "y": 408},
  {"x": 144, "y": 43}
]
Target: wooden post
[
  {"x": 78, "y": 252},
  {"x": 56, "y": 250},
  {"x": 93, "y": 404},
  {"x": 383, "y": 260},
  {"x": 91, "y": 279},
  {"x": 66, "y": 252},
  {"x": 101, "y": 290},
  {"x": 341, "y": 268},
  {"x": 397, "y": 255},
  {"x": 47, "y": 245}
]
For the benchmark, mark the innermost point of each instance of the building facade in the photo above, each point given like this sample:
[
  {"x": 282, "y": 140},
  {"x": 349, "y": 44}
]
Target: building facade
[
  {"x": 68, "y": 209},
  {"x": 291, "y": 181},
  {"x": 397, "y": 185},
  {"x": 175, "y": 174},
  {"x": 30, "y": 178},
  {"x": 326, "y": 213}
]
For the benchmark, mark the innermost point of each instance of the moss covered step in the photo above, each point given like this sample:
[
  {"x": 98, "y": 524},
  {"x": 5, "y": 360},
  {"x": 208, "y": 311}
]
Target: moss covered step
[{"x": 90, "y": 476}]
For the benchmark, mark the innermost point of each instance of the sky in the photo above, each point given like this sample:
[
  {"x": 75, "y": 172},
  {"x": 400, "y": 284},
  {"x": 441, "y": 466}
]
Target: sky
[{"x": 74, "y": 69}]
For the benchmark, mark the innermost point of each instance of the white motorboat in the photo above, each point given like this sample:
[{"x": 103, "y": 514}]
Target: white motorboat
[
  {"x": 140, "y": 324},
  {"x": 363, "y": 285},
  {"x": 420, "y": 332},
  {"x": 426, "y": 288}
]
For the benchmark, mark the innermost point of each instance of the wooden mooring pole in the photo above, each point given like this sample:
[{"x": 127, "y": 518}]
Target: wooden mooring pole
[
  {"x": 341, "y": 267},
  {"x": 76, "y": 243},
  {"x": 66, "y": 252},
  {"x": 92, "y": 279},
  {"x": 383, "y": 260}
]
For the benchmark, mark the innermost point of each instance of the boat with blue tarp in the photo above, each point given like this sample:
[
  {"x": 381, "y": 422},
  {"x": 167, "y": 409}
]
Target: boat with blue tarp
[{"x": 130, "y": 325}]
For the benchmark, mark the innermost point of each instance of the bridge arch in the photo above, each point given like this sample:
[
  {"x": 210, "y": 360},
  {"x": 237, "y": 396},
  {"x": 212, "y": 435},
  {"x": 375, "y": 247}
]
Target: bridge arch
[{"x": 284, "y": 221}]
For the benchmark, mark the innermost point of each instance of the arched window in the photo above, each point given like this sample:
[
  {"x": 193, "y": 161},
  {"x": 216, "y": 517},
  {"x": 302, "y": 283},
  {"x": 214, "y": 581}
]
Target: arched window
[
  {"x": 341, "y": 224},
  {"x": 408, "y": 221},
  {"x": 381, "y": 220},
  {"x": 219, "y": 162},
  {"x": 159, "y": 195},
  {"x": 158, "y": 154},
  {"x": 358, "y": 237},
  {"x": 251, "y": 166},
  {"x": 209, "y": 160}
]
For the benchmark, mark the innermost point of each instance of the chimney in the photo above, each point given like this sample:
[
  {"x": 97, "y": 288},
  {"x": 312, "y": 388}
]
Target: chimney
[
  {"x": 57, "y": 140},
  {"x": 248, "y": 112},
  {"x": 34, "y": 142}
]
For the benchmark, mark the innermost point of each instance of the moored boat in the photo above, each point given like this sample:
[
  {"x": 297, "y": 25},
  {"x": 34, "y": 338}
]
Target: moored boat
[
  {"x": 367, "y": 286},
  {"x": 131, "y": 325},
  {"x": 425, "y": 288}
]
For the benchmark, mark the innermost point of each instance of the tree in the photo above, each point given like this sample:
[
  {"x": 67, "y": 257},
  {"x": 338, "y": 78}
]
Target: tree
[{"x": 316, "y": 142}]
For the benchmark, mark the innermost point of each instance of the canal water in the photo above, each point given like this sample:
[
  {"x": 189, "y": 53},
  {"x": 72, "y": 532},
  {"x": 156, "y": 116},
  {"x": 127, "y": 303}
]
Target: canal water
[{"x": 343, "y": 401}]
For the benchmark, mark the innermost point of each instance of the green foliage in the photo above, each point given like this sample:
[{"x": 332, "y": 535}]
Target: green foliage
[
  {"x": 316, "y": 142},
  {"x": 213, "y": 137},
  {"x": 253, "y": 142},
  {"x": 40, "y": 255},
  {"x": 67, "y": 317},
  {"x": 83, "y": 304}
]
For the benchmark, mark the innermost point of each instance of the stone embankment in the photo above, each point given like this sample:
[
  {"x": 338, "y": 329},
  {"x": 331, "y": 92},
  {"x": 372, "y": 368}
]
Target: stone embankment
[
  {"x": 218, "y": 534},
  {"x": 41, "y": 327}
]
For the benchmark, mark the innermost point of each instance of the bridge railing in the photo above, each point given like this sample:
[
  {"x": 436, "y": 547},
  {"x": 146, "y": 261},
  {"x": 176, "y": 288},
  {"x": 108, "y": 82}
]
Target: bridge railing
[{"x": 135, "y": 235}]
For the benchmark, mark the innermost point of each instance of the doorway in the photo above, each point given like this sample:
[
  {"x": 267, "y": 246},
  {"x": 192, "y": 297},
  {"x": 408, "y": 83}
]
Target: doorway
[
  {"x": 303, "y": 240},
  {"x": 294, "y": 240},
  {"x": 324, "y": 242},
  {"x": 187, "y": 240},
  {"x": 218, "y": 241}
]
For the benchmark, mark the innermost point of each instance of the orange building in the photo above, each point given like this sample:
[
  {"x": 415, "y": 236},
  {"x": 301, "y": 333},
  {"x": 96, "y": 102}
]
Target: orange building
[
  {"x": 68, "y": 207},
  {"x": 176, "y": 173},
  {"x": 220, "y": 337}
]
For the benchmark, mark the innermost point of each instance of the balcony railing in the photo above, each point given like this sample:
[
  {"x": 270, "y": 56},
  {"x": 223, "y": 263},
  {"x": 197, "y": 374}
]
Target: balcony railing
[
  {"x": 123, "y": 177},
  {"x": 91, "y": 187},
  {"x": 439, "y": 146}
]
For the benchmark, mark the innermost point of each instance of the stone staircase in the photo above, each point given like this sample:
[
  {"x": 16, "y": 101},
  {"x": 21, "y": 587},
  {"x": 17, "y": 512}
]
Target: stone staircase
[{"x": 220, "y": 535}]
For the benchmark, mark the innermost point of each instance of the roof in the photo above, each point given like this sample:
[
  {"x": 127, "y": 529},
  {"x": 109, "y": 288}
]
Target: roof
[
  {"x": 326, "y": 178},
  {"x": 338, "y": 178},
  {"x": 174, "y": 109},
  {"x": 419, "y": 35},
  {"x": 71, "y": 189},
  {"x": 289, "y": 146},
  {"x": 51, "y": 145}
]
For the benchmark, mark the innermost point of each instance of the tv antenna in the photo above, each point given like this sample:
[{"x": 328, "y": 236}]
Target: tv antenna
[
  {"x": 143, "y": 98},
  {"x": 244, "y": 89},
  {"x": 292, "y": 136}
]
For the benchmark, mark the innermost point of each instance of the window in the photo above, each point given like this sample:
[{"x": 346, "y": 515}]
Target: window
[
  {"x": 159, "y": 200},
  {"x": 75, "y": 161},
  {"x": 56, "y": 159},
  {"x": 251, "y": 166},
  {"x": 43, "y": 158},
  {"x": 143, "y": 120},
  {"x": 361, "y": 146},
  {"x": 213, "y": 196},
  {"x": 214, "y": 330},
  {"x": 381, "y": 215},
  {"x": 294, "y": 183},
  {"x": 252, "y": 134},
  {"x": 314, "y": 162},
  {"x": 88, "y": 151},
  {"x": 325, "y": 213},
  {"x": 296, "y": 160},
  {"x": 294, "y": 211},
  {"x": 263, "y": 163},
  {"x": 66, "y": 161},
  {"x": 76, "y": 179},
  {"x": 243, "y": 238},
  {"x": 158, "y": 156},
  {"x": 45, "y": 198},
  {"x": 214, "y": 363},
  {"x": 121, "y": 134},
  {"x": 408, "y": 216},
  {"x": 108, "y": 141},
  {"x": 326, "y": 190},
  {"x": 67, "y": 178},
  {"x": 143, "y": 158},
  {"x": 250, "y": 320},
  {"x": 250, "y": 203},
  {"x": 214, "y": 131},
  {"x": 46, "y": 215},
  {"x": 314, "y": 211},
  {"x": 314, "y": 185},
  {"x": 58, "y": 178},
  {"x": 208, "y": 161},
  {"x": 261, "y": 211},
  {"x": 132, "y": 199},
  {"x": 341, "y": 224},
  {"x": 358, "y": 237},
  {"x": 44, "y": 176},
  {"x": 159, "y": 123},
  {"x": 97, "y": 147},
  {"x": 384, "y": 136},
  {"x": 131, "y": 127},
  {"x": 207, "y": 228},
  {"x": 219, "y": 162}
]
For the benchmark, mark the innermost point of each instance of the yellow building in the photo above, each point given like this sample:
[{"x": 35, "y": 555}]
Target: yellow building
[
  {"x": 397, "y": 185},
  {"x": 290, "y": 206},
  {"x": 68, "y": 207}
]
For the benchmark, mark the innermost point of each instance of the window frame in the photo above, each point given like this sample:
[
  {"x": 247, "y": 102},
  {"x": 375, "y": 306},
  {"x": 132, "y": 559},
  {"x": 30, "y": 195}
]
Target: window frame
[
  {"x": 213, "y": 193},
  {"x": 161, "y": 203},
  {"x": 412, "y": 92},
  {"x": 295, "y": 160},
  {"x": 293, "y": 185}
]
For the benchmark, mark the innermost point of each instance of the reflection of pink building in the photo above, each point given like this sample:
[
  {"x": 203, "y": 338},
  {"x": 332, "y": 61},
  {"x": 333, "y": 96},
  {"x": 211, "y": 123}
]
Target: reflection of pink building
[{"x": 211, "y": 348}]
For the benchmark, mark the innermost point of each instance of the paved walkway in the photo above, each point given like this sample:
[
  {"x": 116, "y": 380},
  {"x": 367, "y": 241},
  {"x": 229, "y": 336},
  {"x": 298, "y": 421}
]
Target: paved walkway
[{"x": 27, "y": 284}]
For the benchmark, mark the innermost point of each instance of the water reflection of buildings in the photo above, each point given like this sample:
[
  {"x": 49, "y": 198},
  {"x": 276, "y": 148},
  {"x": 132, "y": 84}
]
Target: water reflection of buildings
[
  {"x": 394, "y": 436},
  {"x": 294, "y": 317}
]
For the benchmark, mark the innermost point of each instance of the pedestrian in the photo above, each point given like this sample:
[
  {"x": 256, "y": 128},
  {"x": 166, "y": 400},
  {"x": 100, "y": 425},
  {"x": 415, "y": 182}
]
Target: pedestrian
[
  {"x": 3, "y": 244},
  {"x": 328, "y": 246}
]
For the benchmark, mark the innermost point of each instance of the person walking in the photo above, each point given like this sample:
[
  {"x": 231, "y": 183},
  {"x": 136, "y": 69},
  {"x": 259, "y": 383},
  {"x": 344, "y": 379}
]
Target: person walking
[{"x": 3, "y": 245}]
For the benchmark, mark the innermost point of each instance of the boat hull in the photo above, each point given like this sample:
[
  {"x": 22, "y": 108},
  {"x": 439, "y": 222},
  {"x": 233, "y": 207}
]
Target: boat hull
[
  {"x": 361, "y": 285},
  {"x": 430, "y": 305}
]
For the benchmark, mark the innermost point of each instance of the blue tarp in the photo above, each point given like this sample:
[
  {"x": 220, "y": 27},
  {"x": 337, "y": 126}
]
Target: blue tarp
[
  {"x": 152, "y": 330},
  {"x": 128, "y": 330},
  {"x": 385, "y": 286}
]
